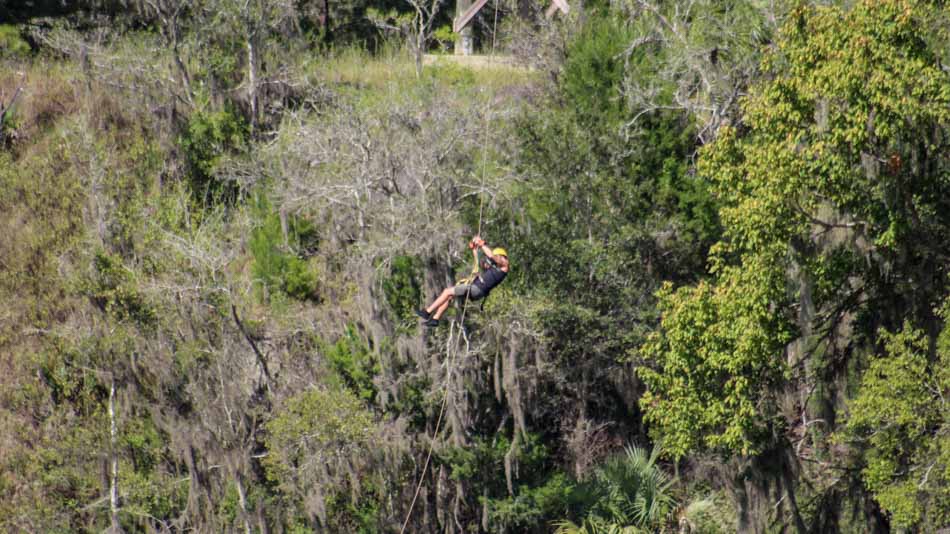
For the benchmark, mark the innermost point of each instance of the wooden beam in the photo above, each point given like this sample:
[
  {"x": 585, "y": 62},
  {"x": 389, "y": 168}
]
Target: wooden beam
[{"x": 467, "y": 17}]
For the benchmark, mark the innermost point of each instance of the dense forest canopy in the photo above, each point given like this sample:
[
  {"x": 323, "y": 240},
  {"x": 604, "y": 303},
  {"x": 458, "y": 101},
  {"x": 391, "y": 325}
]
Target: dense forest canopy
[{"x": 728, "y": 307}]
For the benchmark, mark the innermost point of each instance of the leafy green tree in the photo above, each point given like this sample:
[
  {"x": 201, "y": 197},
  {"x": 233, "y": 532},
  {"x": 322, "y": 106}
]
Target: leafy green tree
[
  {"x": 716, "y": 351},
  {"x": 312, "y": 438},
  {"x": 833, "y": 191},
  {"x": 355, "y": 364},
  {"x": 600, "y": 219},
  {"x": 901, "y": 414}
]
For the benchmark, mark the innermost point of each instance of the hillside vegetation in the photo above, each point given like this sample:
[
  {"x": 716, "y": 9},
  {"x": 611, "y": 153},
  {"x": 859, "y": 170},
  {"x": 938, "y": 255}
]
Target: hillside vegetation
[{"x": 728, "y": 307}]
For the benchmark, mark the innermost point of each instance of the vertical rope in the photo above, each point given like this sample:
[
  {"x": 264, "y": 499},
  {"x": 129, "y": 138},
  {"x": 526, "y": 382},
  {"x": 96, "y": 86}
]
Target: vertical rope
[
  {"x": 481, "y": 187},
  {"x": 438, "y": 423},
  {"x": 481, "y": 192},
  {"x": 452, "y": 353}
]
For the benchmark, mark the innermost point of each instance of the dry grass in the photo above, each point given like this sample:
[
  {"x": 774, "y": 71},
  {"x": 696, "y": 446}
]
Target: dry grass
[
  {"x": 478, "y": 62},
  {"x": 358, "y": 68},
  {"x": 361, "y": 70},
  {"x": 48, "y": 92}
]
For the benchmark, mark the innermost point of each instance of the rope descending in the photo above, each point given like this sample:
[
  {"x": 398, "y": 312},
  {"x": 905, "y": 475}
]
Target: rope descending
[{"x": 453, "y": 352}]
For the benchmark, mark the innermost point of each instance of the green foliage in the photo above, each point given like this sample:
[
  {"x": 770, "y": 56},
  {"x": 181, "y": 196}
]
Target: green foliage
[
  {"x": 847, "y": 89},
  {"x": 412, "y": 400},
  {"x": 276, "y": 266},
  {"x": 593, "y": 72},
  {"x": 314, "y": 427},
  {"x": 391, "y": 19},
  {"x": 602, "y": 218},
  {"x": 114, "y": 288},
  {"x": 150, "y": 494},
  {"x": 445, "y": 36},
  {"x": 629, "y": 492},
  {"x": 477, "y": 460},
  {"x": 147, "y": 489},
  {"x": 65, "y": 466},
  {"x": 312, "y": 443},
  {"x": 207, "y": 138},
  {"x": 541, "y": 491},
  {"x": 715, "y": 350},
  {"x": 144, "y": 443},
  {"x": 65, "y": 458},
  {"x": 12, "y": 44},
  {"x": 901, "y": 415},
  {"x": 713, "y": 514},
  {"x": 355, "y": 363},
  {"x": 532, "y": 506},
  {"x": 356, "y": 509},
  {"x": 229, "y": 503},
  {"x": 219, "y": 63},
  {"x": 402, "y": 289},
  {"x": 813, "y": 123},
  {"x": 606, "y": 197}
]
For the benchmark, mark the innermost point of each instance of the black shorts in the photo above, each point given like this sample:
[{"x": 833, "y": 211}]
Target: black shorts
[{"x": 473, "y": 291}]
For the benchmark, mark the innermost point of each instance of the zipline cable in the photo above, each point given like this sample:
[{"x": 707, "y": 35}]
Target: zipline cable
[{"x": 461, "y": 321}]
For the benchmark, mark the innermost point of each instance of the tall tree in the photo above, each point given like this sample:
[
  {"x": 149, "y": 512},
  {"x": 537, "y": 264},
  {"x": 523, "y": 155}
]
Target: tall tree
[{"x": 834, "y": 190}]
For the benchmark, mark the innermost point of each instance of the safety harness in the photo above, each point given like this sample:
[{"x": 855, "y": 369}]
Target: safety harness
[{"x": 470, "y": 280}]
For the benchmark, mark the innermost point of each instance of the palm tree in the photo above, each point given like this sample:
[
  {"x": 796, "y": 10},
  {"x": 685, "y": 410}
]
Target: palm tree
[{"x": 627, "y": 494}]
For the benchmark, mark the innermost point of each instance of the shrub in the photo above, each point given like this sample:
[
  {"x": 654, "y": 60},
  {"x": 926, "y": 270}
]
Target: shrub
[
  {"x": 628, "y": 490},
  {"x": 207, "y": 138},
  {"x": 113, "y": 287},
  {"x": 12, "y": 44},
  {"x": 712, "y": 514},
  {"x": 275, "y": 265},
  {"x": 355, "y": 363},
  {"x": 401, "y": 288}
]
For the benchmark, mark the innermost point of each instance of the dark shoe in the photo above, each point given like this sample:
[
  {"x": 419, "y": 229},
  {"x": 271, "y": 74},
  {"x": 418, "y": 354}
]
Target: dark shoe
[
  {"x": 424, "y": 314},
  {"x": 432, "y": 322}
]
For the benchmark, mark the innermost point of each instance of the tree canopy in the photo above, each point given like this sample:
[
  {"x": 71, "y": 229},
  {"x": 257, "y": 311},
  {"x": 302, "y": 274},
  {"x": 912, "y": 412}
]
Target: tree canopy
[{"x": 728, "y": 301}]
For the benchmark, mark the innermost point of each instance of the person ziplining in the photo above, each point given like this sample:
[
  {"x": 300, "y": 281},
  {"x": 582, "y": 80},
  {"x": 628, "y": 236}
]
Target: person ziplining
[{"x": 493, "y": 270}]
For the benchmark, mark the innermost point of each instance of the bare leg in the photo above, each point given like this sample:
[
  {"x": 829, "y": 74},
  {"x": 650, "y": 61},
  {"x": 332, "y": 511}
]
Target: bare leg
[
  {"x": 442, "y": 300},
  {"x": 442, "y": 308}
]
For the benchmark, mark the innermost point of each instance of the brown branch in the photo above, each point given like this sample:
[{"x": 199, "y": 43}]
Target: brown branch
[{"x": 261, "y": 359}]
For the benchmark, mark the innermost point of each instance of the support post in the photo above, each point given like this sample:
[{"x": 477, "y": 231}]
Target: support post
[{"x": 465, "y": 45}]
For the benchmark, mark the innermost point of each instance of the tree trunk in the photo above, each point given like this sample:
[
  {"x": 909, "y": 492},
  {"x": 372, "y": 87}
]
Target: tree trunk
[
  {"x": 788, "y": 481},
  {"x": 252, "y": 78},
  {"x": 325, "y": 21},
  {"x": 419, "y": 47},
  {"x": 114, "y": 461},
  {"x": 242, "y": 501},
  {"x": 763, "y": 491}
]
